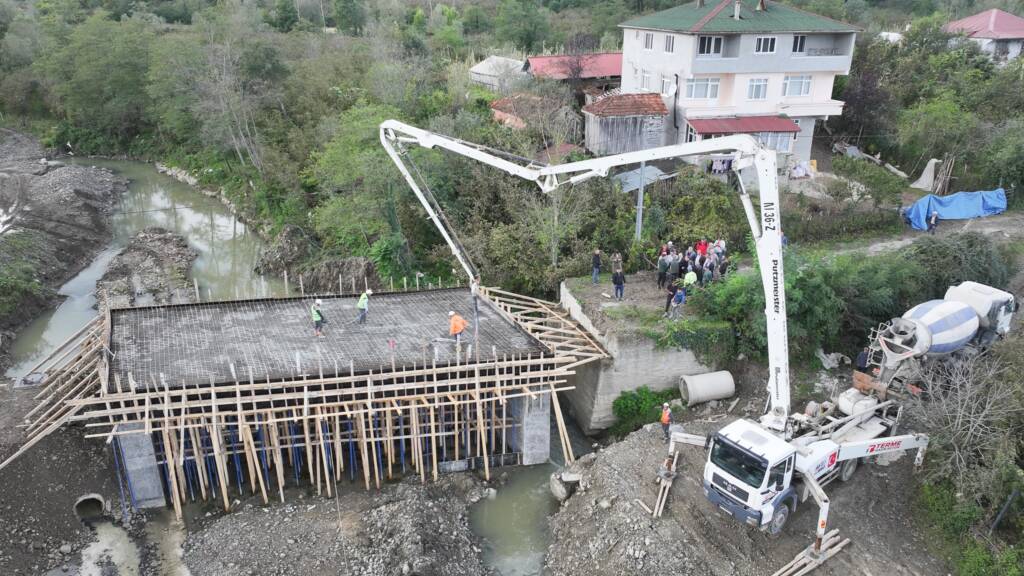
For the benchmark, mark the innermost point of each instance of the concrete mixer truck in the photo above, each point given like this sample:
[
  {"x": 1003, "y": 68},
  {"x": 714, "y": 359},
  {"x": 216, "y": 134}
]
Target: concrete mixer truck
[{"x": 963, "y": 323}]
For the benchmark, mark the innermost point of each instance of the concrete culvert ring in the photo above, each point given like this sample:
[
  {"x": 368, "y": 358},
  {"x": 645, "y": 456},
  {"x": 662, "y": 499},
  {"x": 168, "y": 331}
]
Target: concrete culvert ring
[{"x": 90, "y": 507}]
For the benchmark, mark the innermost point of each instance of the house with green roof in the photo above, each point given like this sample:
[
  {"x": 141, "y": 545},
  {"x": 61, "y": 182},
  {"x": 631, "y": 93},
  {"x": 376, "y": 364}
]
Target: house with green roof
[{"x": 734, "y": 66}]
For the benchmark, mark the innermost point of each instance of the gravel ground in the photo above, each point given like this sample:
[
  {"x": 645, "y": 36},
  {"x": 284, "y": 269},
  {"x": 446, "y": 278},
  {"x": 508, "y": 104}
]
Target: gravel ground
[
  {"x": 601, "y": 530},
  {"x": 153, "y": 269},
  {"x": 406, "y": 529}
]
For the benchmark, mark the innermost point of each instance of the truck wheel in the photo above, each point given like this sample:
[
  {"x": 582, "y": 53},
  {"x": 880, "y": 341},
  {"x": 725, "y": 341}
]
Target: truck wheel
[
  {"x": 847, "y": 469},
  {"x": 779, "y": 519}
]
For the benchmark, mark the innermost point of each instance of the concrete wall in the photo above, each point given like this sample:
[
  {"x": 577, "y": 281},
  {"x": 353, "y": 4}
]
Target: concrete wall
[
  {"x": 635, "y": 362},
  {"x": 533, "y": 435},
  {"x": 141, "y": 468}
]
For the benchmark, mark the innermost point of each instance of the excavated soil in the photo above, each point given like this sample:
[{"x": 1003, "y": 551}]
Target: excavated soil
[
  {"x": 405, "y": 529},
  {"x": 57, "y": 219},
  {"x": 152, "y": 270},
  {"x": 601, "y": 530}
]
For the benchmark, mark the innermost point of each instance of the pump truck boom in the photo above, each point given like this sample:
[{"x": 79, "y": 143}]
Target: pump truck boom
[{"x": 755, "y": 471}]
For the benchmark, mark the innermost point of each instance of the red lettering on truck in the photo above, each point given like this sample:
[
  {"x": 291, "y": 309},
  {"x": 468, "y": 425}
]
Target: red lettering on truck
[{"x": 887, "y": 445}]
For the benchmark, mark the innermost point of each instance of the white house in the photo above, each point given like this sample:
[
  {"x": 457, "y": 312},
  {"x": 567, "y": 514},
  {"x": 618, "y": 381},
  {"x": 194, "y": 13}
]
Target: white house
[
  {"x": 999, "y": 33},
  {"x": 738, "y": 66}
]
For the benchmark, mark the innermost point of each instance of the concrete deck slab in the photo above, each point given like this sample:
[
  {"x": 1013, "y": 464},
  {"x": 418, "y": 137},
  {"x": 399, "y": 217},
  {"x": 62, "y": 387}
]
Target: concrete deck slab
[{"x": 196, "y": 344}]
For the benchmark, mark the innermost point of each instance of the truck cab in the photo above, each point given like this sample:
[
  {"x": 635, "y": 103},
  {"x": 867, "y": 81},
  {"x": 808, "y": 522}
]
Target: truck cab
[{"x": 749, "y": 475}]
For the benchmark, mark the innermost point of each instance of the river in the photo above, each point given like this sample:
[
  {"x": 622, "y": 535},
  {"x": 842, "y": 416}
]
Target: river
[{"x": 228, "y": 251}]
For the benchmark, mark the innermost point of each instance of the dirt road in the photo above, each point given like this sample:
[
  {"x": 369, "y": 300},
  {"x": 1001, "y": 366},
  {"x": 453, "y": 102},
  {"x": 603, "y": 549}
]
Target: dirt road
[{"x": 603, "y": 531}]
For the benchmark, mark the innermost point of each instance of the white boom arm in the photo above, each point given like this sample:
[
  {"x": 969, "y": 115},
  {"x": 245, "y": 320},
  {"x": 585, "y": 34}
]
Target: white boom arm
[
  {"x": 394, "y": 135},
  {"x": 879, "y": 446}
]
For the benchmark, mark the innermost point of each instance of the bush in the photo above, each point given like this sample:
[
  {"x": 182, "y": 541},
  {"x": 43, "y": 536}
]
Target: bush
[
  {"x": 713, "y": 341},
  {"x": 884, "y": 187},
  {"x": 635, "y": 408}
]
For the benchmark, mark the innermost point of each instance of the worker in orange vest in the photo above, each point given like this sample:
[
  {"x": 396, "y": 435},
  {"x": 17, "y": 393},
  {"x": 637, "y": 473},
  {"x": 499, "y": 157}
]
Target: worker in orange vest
[
  {"x": 666, "y": 419},
  {"x": 456, "y": 325}
]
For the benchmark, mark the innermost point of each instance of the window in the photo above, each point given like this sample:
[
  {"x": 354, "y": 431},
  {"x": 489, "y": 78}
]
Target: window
[
  {"x": 709, "y": 46},
  {"x": 796, "y": 85},
  {"x": 777, "y": 476},
  {"x": 648, "y": 41},
  {"x": 757, "y": 89},
  {"x": 764, "y": 45},
  {"x": 798, "y": 43},
  {"x": 778, "y": 141},
  {"x": 698, "y": 88},
  {"x": 666, "y": 86},
  {"x": 645, "y": 80},
  {"x": 670, "y": 43},
  {"x": 691, "y": 134}
]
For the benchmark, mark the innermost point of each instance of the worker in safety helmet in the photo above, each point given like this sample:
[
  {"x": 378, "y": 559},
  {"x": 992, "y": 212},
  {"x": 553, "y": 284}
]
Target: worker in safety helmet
[
  {"x": 318, "y": 318},
  {"x": 666, "y": 419},
  {"x": 456, "y": 326},
  {"x": 363, "y": 305}
]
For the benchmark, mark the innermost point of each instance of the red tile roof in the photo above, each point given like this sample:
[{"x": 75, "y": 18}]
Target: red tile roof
[
  {"x": 646, "y": 104},
  {"x": 743, "y": 125},
  {"x": 993, "y": 23},
  {"x": 562, "y": 66},
  {"x": 515, "y": 102}
]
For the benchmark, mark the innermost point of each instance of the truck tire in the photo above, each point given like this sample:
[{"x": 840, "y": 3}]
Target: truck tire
[
  {"x": 778, "y": 522},
  {"x": 847, "y": 469}
]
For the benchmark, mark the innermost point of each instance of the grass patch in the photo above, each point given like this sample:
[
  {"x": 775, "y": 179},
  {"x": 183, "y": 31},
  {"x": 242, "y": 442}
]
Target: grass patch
[{"x": 636, "y": 408}]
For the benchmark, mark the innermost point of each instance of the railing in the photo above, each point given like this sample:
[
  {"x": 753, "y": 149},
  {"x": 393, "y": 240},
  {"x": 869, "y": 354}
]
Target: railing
[{"x": 824, "y": 52}]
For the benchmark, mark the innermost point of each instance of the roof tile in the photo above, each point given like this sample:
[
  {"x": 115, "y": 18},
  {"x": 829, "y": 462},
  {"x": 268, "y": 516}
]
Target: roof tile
[
  {"x": 994, "y": 23},
  {"x": 717, "y": 17},
  {"x": 646, "y": 104}
]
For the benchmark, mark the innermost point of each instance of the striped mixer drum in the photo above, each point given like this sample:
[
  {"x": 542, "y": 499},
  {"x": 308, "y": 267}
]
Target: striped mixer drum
[{"x": 950, "y": 325}]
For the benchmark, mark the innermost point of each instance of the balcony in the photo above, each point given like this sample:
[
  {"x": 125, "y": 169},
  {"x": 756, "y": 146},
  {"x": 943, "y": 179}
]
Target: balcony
[{"x": 832, "y": 61}]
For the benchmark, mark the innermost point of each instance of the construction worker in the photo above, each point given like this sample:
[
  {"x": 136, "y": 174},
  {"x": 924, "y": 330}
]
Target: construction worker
[
  {"x": 456, "y": 326},
  {"x": 933, "y": 222},
  {"x": 363, "y": 305},
  {"x": 666, "y": 419},
  {"x": 318, "y": 317}
]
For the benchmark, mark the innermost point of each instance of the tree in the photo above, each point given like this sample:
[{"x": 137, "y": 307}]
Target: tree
[
  {"x": 350, "y": 16},
  {"x": 285, "y": 15},
  {"x": 475, "y": 20},
  {"x": 177, "y": 64},
  {"x": 935, "y": 128},
  {"x": 522, "y": 23},
  {"x": 100, "y": 76}
]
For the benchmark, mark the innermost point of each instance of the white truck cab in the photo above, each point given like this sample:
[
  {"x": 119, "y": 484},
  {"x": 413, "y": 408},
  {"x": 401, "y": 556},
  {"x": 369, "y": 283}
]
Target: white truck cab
[{"x": 749, "y": 474}]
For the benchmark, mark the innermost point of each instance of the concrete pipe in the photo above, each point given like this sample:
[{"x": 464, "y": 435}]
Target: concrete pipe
[{"x": 700, "y": 388}]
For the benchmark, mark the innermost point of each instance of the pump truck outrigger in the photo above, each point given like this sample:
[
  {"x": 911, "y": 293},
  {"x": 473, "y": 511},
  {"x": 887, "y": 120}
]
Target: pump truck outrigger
[{"x": 755, "y": 471}]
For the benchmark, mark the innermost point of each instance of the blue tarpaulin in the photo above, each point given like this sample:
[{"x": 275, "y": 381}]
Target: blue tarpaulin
[{"x": 959, "y": 206}]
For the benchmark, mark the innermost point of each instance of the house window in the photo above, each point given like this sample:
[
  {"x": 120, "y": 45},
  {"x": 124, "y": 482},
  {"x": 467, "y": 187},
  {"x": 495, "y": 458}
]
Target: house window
[
  {"x": 796, "y": 85},
  {"x": 702, "y": 88},
  {"x": 798, "y": 43},
  {"x": 645, "y": 80},
  {"x": 670, "y": 43},
  {"x": 778, "y": 141},
  {"x": 666, "y": 85},
  {"x": 764, "y": 45},
  {"x": 648, "y": 41},
  {"x": 691, "y": 134},
  {"x": 709, "y": 46},
  {"x": 757, "y": 89}
]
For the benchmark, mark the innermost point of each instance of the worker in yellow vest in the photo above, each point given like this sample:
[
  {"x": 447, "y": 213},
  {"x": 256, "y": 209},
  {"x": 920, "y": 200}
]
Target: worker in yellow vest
[{"x": 666, "y": 420}]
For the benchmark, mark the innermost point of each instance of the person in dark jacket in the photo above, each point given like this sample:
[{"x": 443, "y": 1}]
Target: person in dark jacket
[
  {"x": 673, "y": 268},
  {"x": 724, "y": 266},
  {"x": 619, "y": 280},
  {"x": 671, "y": 293},
  {"x": 662, "y": 270},
  {"x": 595, "y": 265}
]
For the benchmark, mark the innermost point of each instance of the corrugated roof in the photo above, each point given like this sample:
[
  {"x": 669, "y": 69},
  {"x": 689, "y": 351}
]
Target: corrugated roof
[
  {"x": 995, "y": 24},
  {"x": 646, "y": 104},
  {"x": 562, "y": 66},
  {"x": 743, "y": 125},
  {"x": 717, "y": 17},
  {"x": 497, "y": 66}
]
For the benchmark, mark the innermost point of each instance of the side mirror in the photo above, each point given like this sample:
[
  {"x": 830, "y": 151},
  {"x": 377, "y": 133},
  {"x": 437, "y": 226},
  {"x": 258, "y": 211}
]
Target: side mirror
[{"x": 707, "y": 443}]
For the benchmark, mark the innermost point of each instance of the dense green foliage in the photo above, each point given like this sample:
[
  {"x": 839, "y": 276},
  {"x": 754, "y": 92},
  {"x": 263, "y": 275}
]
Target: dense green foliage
[
  {"x": 634, "y": 408},
  {"x": 884, "y": 187},
  {"x": 833, "y": 301}
]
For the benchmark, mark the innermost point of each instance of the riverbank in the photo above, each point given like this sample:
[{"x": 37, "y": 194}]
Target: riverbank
[
  {"x": 152, "y": 270},
  {"x": 57, "y": 219}
]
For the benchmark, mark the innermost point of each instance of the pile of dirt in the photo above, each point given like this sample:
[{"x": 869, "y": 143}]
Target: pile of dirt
[
  {"x": 152, "y": 270},
  {"x": 57, "y": 217},
  {"x": 292, "y": 250},
  {"x": 601, "y": 529},
  {"x": 406, "y": 529}
]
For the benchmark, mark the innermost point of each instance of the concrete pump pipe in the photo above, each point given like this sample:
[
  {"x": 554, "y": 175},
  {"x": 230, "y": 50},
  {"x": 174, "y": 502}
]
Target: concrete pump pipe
[{"x": 699, "y": 388}]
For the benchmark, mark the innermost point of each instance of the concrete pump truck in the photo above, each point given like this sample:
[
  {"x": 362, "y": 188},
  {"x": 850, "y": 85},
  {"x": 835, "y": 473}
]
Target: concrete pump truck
[{"x": 759, "y": 471}]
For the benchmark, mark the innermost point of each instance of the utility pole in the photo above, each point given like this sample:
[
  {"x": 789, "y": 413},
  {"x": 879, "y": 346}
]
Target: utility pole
[{"x": 640, "y": 204}]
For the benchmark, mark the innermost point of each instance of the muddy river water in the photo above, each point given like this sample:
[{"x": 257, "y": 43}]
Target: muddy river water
[{"x": 514, "y": 524}]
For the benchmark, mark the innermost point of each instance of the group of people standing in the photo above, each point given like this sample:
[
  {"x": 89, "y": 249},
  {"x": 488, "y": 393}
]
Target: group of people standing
[{"x": 678, "y": 272}]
